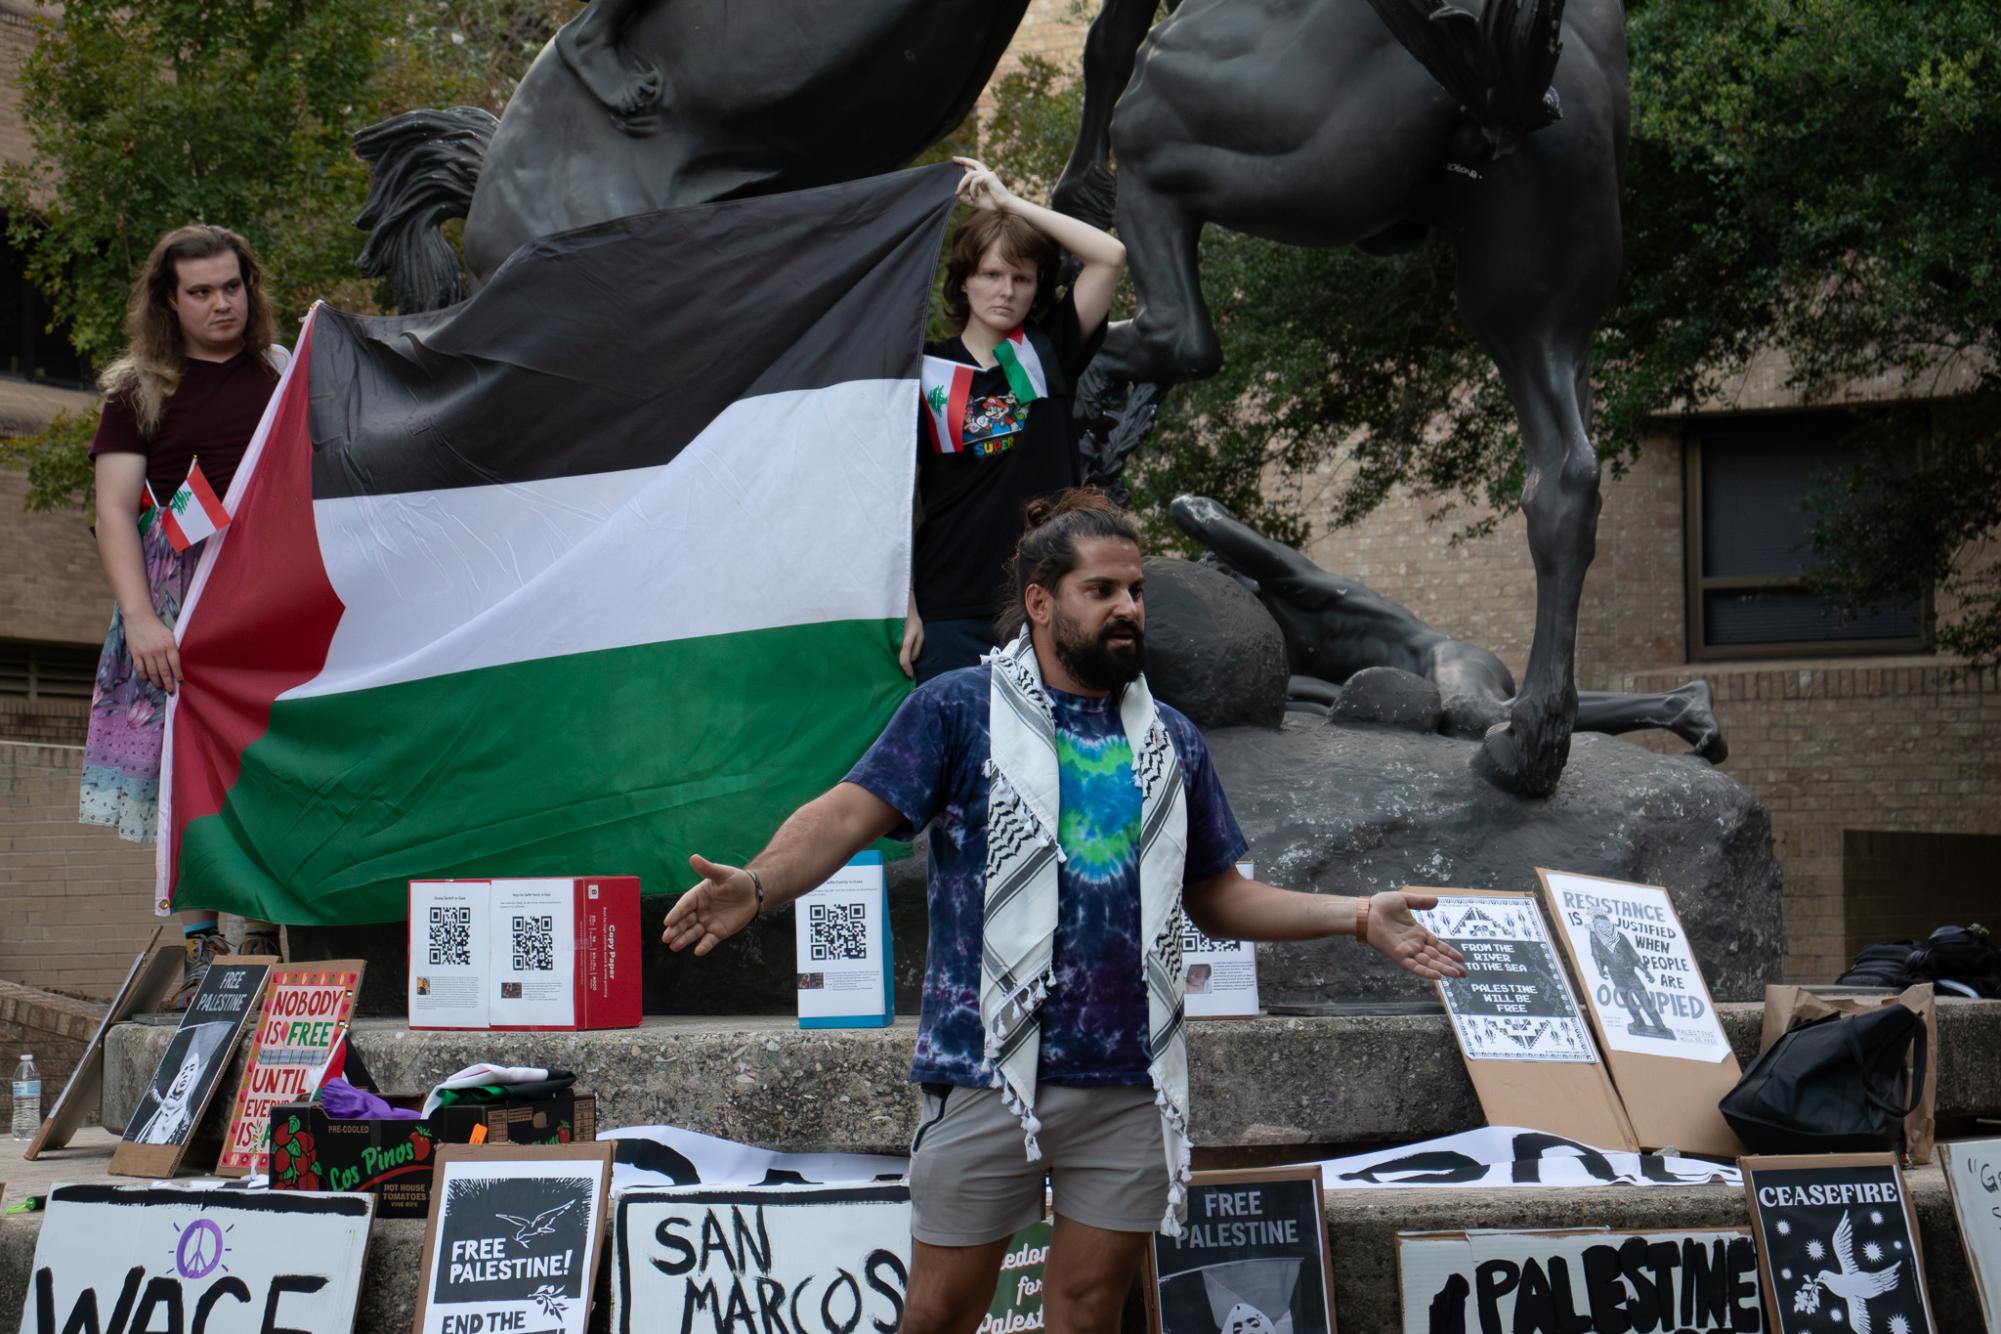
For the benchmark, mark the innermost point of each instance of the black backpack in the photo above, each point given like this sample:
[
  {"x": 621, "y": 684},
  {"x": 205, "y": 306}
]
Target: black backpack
[
  {"x": 1960, "y": 960},
  {"x": 1831, "y": 1085}
]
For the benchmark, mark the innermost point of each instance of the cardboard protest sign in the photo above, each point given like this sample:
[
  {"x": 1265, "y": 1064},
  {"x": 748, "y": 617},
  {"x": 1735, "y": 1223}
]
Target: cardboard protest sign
[
  {"x": 844, "y": 952},
  {"x": 1221, "y": 975},
  {"x": 149, "y": 1257},
  {"x": 1017, "y": 1303},
  {"x": 1973, "y": 1177},
  {"x": 154, "y": 976},
  {"x": 306, "y": 1010},
  {"x": 1837, "y": 1244},
  {"x": 1527, "y": 1050},
  {"x": 199, "y": 1054},
  {"x": 1582, "y": 1281},
  {"x": 1253, "y": 1256},
  {"x": 1650, "y": 1007},
  {"x": 513, "y": 1239},
  {"x": 809, "y": 1259}
]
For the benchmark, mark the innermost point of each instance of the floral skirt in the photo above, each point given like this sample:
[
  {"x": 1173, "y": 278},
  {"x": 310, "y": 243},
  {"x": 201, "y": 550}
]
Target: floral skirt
[{"x": 128, "y": 714}]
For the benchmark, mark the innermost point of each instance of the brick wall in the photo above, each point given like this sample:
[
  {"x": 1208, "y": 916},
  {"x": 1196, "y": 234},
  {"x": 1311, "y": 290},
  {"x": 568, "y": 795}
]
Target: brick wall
[
  {"x": 56, "y": 1029},
  {"x": 54, "y": 589},
  {"x": 1837, "y": 746},
  {"x": 1483, "y": 591},
  {"x": 75, "y": 901}
]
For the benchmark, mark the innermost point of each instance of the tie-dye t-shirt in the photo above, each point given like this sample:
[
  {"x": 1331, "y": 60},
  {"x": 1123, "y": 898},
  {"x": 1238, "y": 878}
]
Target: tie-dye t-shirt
[{"x": 930, "y": 765}]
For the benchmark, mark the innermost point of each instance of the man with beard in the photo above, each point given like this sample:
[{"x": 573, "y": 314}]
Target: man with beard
[{"x": 1072, "y": 818}]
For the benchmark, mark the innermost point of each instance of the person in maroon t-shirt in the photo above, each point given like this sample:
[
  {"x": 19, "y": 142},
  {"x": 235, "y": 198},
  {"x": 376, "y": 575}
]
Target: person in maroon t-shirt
[{"x": 192, "y": 385}]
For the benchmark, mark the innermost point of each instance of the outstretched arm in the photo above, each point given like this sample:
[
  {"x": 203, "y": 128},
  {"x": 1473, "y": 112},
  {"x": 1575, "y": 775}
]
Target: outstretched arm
[
  {"x": 815, "y": 841},
  {"x": 1230, "y": 906},
  {"x": 1242, "y": 547},
  {"x": 1102, "y": 255}
]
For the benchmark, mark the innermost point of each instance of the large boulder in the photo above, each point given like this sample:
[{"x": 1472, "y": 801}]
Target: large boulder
[
  {"x": 1347, "y": 809},
  {"x": 1212, "y": 650}
]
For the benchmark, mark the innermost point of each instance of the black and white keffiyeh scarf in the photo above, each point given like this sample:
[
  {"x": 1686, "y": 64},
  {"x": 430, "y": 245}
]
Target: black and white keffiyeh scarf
[{"x": 1018, "y": 940}]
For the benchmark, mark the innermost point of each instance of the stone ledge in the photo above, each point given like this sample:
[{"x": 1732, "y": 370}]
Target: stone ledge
[
  {"x": 1343, "y": 1079},
  {"x": 44, "y": 1011},
  {"x": 1362, "y": 1227}
]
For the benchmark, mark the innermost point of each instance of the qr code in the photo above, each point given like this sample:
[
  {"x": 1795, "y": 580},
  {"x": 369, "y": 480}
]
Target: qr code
[
  {"x": 534, "y": 944},
  {"x": 451, "y": 937},
  {"x": 1194, "y": 942},
  {"x": 837, "y": 932}
]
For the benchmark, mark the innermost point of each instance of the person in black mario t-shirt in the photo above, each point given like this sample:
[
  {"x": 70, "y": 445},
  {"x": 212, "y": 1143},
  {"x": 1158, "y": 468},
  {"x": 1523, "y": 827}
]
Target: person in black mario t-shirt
[{"x": 995, "y": 429}]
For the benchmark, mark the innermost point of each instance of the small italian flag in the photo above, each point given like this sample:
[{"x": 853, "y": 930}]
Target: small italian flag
[
  {"x": 194, "y": 513},
  {"x": 149, "y": 508}
]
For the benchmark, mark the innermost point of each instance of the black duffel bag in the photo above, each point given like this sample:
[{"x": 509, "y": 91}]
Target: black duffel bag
[{"x": 1831, "y": 1085}]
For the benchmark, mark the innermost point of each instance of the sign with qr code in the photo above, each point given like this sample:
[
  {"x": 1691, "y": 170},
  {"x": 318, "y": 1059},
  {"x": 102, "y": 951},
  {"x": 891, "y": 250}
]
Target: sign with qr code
[
  {"x": 1221, "y": 975},
  {"x": 528, "y": 953},
  {"x": 844, "y": 952}
]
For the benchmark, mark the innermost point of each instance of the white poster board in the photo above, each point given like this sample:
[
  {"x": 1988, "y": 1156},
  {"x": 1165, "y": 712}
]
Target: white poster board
[
  {"x": 1221, "y": 975},
  {"x": 1634, "y": 962},
  {"x": 1702, "y": 1281},
  {"x": 842, "y": 934},
  {"x": 229, "y": 1261},
  {"x": 493, "y": 954},
  {"x": 513, "y": 1238},
  {"x": 1973, "y": 1176},
  {"x": 808, "y": 1259},
  {"x": 1514, "y": 1004}
]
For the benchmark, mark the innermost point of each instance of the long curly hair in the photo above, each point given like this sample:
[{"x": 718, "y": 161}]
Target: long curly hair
[{"x": 155, "y": 355}]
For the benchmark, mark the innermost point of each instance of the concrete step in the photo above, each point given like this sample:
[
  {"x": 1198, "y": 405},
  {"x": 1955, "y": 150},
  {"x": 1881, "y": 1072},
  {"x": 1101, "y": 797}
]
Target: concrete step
[
  {"x": 1337, "y": 1079},
  {"x": 1362, "y": 1227}
]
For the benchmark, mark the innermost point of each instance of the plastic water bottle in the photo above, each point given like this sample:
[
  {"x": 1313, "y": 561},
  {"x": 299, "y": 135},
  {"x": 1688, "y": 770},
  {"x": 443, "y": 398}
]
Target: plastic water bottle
[{"x": 27, "y": 1098}]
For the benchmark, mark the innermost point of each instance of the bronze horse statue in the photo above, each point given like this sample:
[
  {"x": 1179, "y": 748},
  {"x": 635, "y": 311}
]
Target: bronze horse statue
[
  {"x": 1312, "y": 124},
  {"x": 638, "y": 105}
]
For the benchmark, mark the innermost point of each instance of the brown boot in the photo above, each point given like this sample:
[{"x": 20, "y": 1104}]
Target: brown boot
[{"x": 203, "y": 948}]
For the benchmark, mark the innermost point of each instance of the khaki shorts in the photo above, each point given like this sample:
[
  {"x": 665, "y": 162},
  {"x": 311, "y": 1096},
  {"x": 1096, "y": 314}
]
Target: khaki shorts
[{"x": 971, "y": 1181}]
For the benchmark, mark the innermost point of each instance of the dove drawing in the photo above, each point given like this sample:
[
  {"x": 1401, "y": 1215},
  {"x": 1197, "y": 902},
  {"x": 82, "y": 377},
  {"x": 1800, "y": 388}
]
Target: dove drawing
[{"x": 1853, "y": 1284}]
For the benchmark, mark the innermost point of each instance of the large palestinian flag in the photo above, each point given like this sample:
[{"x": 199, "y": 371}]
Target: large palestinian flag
[{"x": 604, "y": 565}]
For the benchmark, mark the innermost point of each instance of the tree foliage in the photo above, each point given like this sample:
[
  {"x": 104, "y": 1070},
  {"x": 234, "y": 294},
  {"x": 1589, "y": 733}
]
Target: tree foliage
[
  {"x": 1814, "y": 175},
  {"x": 144, "y": 117}
]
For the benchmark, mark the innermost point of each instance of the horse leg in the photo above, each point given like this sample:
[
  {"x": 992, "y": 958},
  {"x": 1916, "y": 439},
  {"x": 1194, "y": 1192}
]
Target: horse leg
[
  {"x": 624, "y": 81},
  {"x": 1087, "y": 188},
  {"x": 1686, "y": 711},
  {"x": 1171, "y": 338},
  {"x": 1560, "y": 500}
]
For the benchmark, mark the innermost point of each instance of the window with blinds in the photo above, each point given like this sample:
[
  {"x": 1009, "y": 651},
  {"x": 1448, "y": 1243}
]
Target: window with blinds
[
  {"x": 47, "y": 671},
  {"x": 1749, "y": 546}
]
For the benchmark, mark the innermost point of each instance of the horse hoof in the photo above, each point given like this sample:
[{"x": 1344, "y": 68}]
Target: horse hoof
[
  {"x": 1697, "y": 724},
  {"x": 1502, "y": 762}
]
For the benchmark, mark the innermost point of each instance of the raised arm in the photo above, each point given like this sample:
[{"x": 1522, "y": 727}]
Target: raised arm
[
  {"x": 1231, "y": 906},
  {"x": 1101, "y": 254},
  {"x": 815, "y": 841}
]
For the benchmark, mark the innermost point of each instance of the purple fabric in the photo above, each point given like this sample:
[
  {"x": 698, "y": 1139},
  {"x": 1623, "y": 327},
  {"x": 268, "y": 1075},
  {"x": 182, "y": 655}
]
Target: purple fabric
[
  {"x": 345, "y": 1102},
  {"x": 930, "y": 765}
]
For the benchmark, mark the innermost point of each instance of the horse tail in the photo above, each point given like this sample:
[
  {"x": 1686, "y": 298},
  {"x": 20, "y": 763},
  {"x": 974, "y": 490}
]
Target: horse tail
[
  {"x": 423, "y": 166},
  {"x": 1498, "y": 65}
]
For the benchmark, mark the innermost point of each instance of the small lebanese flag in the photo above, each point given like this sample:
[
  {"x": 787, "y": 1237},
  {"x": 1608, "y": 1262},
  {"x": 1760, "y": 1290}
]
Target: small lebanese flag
[
  {"x": 194, "y": 513},
  {"x": 946, "y": 387},
  {"x": 149, "y": 508},
  {"x": 1017, "y": 357}
]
